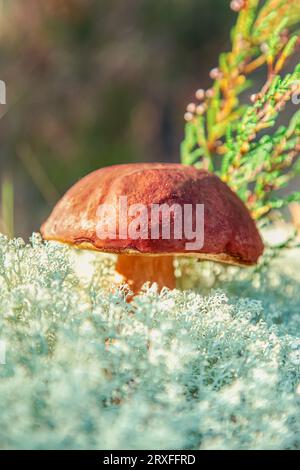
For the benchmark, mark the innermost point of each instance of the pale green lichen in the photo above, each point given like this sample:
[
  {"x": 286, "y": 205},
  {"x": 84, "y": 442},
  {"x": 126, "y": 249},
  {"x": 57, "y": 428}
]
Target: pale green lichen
[{"x": 183, "y": 369}]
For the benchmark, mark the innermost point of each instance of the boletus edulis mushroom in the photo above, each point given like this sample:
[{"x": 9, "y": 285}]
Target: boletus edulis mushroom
[{"x": 147, "y": 213}]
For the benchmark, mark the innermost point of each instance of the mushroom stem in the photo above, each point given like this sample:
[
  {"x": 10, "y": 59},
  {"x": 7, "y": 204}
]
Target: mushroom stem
[
  {"x": 295, "y": 213},
  {"x": 138, "y": 269}
]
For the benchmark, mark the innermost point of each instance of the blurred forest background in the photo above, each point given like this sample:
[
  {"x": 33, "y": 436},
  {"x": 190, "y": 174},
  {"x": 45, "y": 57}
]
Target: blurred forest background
[{"x": 93, "y": 83}]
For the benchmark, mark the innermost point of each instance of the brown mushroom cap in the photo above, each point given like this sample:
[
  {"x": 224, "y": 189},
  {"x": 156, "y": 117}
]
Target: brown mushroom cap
[{"x": 230, "y": 234}]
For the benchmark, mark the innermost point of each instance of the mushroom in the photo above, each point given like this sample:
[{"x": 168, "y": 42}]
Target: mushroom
[{"x": 229, "y": 234}]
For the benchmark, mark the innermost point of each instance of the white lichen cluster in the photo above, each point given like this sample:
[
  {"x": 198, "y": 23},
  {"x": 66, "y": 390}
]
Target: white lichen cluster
[{"x": 183, "y": 369}]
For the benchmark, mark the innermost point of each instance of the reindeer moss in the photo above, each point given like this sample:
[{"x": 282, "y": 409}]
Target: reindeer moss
[{"x": 214, "y": 367}]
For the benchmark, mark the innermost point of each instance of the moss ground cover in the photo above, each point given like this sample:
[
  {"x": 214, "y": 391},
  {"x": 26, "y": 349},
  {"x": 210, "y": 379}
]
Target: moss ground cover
[{"x": 217, "y": 366}]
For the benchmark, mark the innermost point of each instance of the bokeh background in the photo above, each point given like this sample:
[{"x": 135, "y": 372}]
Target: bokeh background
[{"x": 93, "y": 83}]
